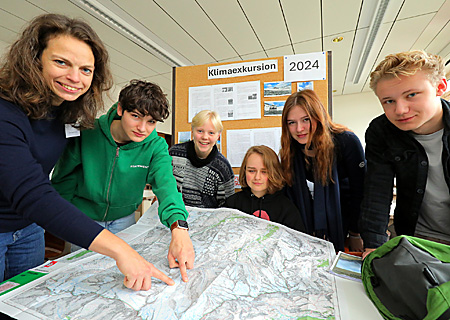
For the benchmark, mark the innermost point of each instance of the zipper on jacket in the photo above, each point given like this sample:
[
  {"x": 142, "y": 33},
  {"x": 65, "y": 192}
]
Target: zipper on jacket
[{"x": 109, "y": 184}]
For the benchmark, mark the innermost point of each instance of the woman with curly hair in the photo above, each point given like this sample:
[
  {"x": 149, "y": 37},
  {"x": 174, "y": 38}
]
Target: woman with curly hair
[
  {"x": 323, "y": 164},
  {"x": 53, "y": 76}
]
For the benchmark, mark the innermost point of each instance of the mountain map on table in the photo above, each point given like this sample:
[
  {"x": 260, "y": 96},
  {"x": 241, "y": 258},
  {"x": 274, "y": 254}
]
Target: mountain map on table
[{"x": 245, "y": 268}]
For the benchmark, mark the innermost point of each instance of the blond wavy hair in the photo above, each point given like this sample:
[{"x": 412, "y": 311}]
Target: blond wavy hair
[{"x": 407, "y": 64}]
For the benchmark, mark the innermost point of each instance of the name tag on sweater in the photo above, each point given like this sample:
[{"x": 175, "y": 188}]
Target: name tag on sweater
[{"x": 72, "y": 131}]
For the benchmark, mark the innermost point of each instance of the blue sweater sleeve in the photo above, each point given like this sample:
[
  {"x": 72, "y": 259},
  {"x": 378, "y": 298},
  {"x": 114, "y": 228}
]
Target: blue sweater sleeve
[{"x": 27, "y": 155}]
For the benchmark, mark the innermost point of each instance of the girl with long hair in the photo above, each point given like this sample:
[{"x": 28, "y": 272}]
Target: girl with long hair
[{"x": 323, "y": 164}]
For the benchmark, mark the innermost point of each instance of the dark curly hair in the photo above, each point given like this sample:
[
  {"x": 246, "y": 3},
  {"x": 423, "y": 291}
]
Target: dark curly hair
[
  {"x": 145, "y": 97},
  {"x": 21, "y": 80}
]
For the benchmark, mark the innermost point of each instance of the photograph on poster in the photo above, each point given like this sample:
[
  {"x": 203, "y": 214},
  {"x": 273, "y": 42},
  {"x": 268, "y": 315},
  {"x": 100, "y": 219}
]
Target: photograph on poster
[
  {"x": 275, "y": 89},
  {"x": 184, "y": 136},
  {"x": 273, "y": 108},
  {"x": 305, "y": 85}
]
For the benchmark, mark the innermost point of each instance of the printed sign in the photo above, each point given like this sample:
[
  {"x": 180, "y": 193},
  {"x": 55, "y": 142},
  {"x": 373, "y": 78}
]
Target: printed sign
[
  {"x": 305, "y": 67},
  {"x": 242, "y": 69}
]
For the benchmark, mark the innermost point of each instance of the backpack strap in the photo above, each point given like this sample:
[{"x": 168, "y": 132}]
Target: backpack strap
[{"x": 445, "y": 315}]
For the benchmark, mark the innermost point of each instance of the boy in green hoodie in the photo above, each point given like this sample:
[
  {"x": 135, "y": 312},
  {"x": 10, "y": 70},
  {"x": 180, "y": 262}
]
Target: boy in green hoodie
[{"x": 104, "y": 171}]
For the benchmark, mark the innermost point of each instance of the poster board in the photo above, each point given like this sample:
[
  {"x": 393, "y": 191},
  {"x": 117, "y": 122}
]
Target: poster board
[{"x": 197, "y": 76}]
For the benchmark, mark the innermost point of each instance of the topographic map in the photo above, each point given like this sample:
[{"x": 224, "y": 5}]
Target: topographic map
[{"x": 245, "y": 268}]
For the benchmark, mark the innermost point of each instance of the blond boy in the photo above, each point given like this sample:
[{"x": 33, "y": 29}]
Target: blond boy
[{"x": 411, "y": 143}]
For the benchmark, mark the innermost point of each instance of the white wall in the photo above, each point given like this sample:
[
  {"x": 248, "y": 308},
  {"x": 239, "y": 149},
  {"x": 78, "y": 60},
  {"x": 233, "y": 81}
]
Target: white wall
[{"x": 356, "y": 111}]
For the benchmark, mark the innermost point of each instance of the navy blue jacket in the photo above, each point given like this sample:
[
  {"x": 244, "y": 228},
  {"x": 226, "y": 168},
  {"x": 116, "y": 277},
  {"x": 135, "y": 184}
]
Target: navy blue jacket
[
  {"x": 28, "y": 151},
  {"x": 391, "y": 152},
  {"x": 350, "y": 165}
]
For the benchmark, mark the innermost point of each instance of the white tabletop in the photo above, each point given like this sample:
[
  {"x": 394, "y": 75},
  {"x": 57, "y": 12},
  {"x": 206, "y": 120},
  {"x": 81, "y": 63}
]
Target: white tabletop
[{"x": 354, "y": 302}]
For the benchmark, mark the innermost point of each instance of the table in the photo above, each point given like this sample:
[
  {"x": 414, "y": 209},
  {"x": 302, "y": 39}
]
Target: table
[{"x": 274, "y": 272}]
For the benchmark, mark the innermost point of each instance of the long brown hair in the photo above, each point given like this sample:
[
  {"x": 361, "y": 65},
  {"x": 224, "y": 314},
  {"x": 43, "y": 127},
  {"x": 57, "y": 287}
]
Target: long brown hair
[
  {"x": 21, "y": 80},
  {"x": 320, "y": 145},
  {"x": 272, "y": 164}
]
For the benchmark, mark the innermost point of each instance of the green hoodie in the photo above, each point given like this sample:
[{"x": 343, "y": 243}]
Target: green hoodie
[{"x": 106, "y": 182}]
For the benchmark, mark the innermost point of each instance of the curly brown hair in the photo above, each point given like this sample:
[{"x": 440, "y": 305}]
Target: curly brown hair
[
  {"x": 145, "y": 97},
  {"x": 21, "y": 80},
  {"x": 272, "y": 164},
  {"x": 320, "y": 145}
]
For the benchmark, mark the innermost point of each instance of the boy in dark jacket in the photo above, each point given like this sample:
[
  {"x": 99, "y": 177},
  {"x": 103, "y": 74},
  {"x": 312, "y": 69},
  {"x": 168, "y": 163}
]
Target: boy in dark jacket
[{"x": 409, "y": 142}]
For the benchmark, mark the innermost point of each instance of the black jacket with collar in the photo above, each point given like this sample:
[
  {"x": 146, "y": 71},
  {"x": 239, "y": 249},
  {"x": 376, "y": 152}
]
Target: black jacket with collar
[
  {"x": 391, "y": 152},
  {"x": 274, "y": 207}
]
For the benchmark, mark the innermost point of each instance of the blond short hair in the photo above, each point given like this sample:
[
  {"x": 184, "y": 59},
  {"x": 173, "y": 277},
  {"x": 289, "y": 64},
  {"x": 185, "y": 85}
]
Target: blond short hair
[
  {"x": 407, "y": 64},
  {"x": 204, "y": 115}
]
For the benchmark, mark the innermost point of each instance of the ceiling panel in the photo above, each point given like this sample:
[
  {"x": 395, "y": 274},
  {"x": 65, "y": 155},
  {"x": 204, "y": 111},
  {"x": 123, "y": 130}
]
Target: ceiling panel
[
  {"x": 239, "y": 33},
  {"x": 143, "y": 57},
  {"x": 199, "y": 26},
  {"x": 309, "y": 25},
  {"x": 232, "y": 59},
  {"x": 7, "y": 35},
  {"x": 438, "y": 45},
  {"x": 123, "y": 72},
  {"x": 162, "y": 81},
  {"x": 340, "y": 56},
  {"x": 268, "y": 22},
  {"x": 21, "y": 8},
  {"x": 10, "y": 21},
  {"x": 130, "y": 64},
  {"x": 314, "y": 45},
  {"x": 340, "y": 16},
  {"x": 281, "y": 51},
  {"x": 440, "y": 19},
  {"x": 3, "y": 46},
  {"x": 255, "y": 55},
  {"x": 119, "y": 79},
  {"x": 412, "y": 8},
  {"x": 155, "y": 19}
]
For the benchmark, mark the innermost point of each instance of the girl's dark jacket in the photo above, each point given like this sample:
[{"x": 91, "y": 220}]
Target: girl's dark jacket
[{"x": 273, "y": 207}]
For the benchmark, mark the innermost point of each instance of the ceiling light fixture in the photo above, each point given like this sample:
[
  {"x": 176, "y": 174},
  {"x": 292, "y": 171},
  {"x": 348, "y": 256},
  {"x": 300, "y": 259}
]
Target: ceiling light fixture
[
  {"x": 136, "y": 33},
  {"x": 362, "y": 55},
  {"x": 338, "y": 39}
]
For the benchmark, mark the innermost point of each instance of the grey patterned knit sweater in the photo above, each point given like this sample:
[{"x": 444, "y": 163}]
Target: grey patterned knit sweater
[{"x": 204, "y": 183}]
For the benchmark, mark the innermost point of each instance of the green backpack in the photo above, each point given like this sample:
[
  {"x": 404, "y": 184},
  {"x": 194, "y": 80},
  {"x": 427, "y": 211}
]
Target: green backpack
[{"x": 409, "y": 278}]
